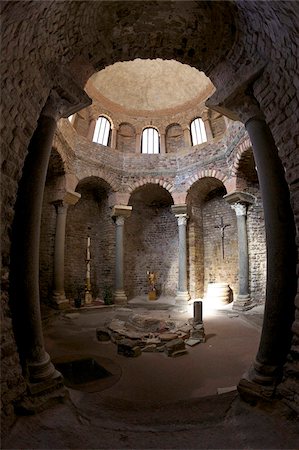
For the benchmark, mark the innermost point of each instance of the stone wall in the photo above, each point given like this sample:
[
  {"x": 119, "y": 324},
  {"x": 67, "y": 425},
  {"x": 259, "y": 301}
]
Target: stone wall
[
  {"x": 216, "y": 268},
  {"x": 91, "y": 216},
  {"x": 78, "y": 32},
  {"x": 151, "y": 244}
]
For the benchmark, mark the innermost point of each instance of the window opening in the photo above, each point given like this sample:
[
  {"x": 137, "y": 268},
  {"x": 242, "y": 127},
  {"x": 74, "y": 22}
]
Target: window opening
[
  {"x": 150, "y": 141},
  {"x": 198, "y": 132},
  {"x": 102, "y": 131}
]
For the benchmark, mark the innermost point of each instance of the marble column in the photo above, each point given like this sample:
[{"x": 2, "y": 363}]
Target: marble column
[
  {"x": 182, "y": 293},
  {"x": 119, "y": 213},
  {"x": 266, "y": 372},
  {"x": 58, "y": 297},
  {"x": 243, "y": 300}
]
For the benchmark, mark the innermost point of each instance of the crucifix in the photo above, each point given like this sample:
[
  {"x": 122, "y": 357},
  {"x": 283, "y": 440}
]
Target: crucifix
[{"x": 222, "y": 228}]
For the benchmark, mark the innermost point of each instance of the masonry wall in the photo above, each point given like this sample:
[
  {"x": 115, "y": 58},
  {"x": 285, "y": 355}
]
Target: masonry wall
[
  {"x": 151, "y": 244},
  {"x": 216, "y": 268},
  {"x": 91, "y": 216},
  {"x": 62, "y": 32}
]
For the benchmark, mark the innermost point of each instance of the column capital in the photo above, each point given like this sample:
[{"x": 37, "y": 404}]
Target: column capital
[
  {"x": 67, "y": 198},
  {"x": 68, "y": 96},
  {"x": 240, "y": 209},
  {"x": 121, "y": 211},
  {"x": 182, "y": 219},
  {"x": 179, "y": 209},
  {"x": 239, "y": 197},
  {"x": 235, "y": 100},
  {"x": 119, "y": 220}
]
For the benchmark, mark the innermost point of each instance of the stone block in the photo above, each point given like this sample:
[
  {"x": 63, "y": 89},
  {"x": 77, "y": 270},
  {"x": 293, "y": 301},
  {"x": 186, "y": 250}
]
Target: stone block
[
  {"x": 102, "y": 335},
  {"x": 174, "y": 346},
  {"x": 127, "y": 347}
]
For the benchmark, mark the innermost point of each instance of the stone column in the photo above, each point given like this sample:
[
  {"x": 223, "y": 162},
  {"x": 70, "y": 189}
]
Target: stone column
[
  {"x": 119, "y": 213},
  {"x": 91, "y": 129},
  {"x": 113, "y": 137},
  {"x": 138, "y": 142},
  {"x": 40, "y": 372},
  {"x": 275, "y": 341},
  {"x": 162, "y": 144},
  {"x": 207, "y": 125},
  {"x": 182, "y": 293},
  {"x": 28, "y": 220},
  {"x": 239, "y": 201},
  {"x": 58, "y": 297},
  {"x": 187, "y": 136}
]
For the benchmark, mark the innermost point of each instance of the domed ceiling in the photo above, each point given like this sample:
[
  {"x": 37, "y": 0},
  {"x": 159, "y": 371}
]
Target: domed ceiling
[{"x": 150, "y": 86}]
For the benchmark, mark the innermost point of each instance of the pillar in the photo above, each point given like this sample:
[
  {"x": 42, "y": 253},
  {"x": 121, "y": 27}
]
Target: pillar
[
  {"x": 43, "y": 380},
  {"x": 119, "y": 213},
  {"x": 58, "y": 297},
  {"x": 91, "y": 129},
  {"x": 208, "y": 128},
  {"x": 243, "y": 301},
  {"x": 239, "y": 201},
  {"x": 138, "y": 142},
  {"x": 182, "y": 293},
  {"x": 281, "y": 257},
  {"x": 238, "y": 102},
  {"x": 187, "y": 136},
  {"x": 113, "y": 137},
  {"x": 162, "y": 143},
  {"x": 26, "y": 248}
]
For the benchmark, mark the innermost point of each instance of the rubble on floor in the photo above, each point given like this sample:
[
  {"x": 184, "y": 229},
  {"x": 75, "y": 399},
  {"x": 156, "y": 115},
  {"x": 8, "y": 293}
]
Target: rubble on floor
[{"x": 135, "y": 334}]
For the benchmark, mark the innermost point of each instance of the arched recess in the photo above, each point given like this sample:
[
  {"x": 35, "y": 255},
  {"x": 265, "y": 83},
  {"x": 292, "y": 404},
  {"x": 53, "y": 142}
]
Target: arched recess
[
  {"x": 174, "y": 138},
  {"x": 90, "y": 216},
  {"x": 126, "y": 138},
  {"x": 244, "y": 169},
  {"x": 152, "y": 180},
  {"x": 107, "y": 176},
  {"x": 211, "y": 258},
  {"x": 151, "y": 241},
  {"x": 54, "y": 189}
]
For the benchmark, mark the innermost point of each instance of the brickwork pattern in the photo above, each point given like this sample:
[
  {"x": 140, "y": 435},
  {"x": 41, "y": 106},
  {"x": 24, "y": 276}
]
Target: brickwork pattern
[{"x": 39, "y": 36}]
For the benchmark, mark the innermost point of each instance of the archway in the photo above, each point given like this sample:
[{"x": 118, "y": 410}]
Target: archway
[{"x": 151, "y": 241}]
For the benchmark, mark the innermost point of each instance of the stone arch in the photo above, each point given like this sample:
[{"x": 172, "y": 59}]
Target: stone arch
[
  {"x": 207, "y": 173},
  {"x": 167, "y": 185},
  {"x": 244, "y": 146},
  {"x": 105, "y": 175}
]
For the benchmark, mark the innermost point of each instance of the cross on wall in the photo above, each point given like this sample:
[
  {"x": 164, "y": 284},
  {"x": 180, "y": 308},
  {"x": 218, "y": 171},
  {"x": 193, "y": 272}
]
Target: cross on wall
[{"x": 222, "y": 227}]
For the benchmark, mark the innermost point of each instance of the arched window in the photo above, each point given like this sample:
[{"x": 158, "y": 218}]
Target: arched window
[
  {"x": 102, "y": 131},
  {"x": 198, "y": 132},
  {"x": 150, "y": 141}
]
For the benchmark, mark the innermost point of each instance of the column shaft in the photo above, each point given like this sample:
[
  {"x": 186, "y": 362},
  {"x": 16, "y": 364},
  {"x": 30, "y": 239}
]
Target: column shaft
[
  {"x": 182, "y": 294},
  {"x": 119, "y": 295},
  {"x": 281, "y": 252},
  {"x": 59, "y": 299},
  {"x": 243, "y": 256},
  {"x": 25, "y": 251},
  {"x": 162, "y": 144}
]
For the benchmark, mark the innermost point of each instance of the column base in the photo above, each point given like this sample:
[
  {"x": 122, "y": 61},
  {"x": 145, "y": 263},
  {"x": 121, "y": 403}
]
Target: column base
[
  {"x": 120, "y": 297},
  {"x": 242, "y": 303},
  {"x": 59, "y": 300},
  {"x": 182, "y": 298},
  {"x": 41, "y": 371},
  {"x": 42, "y": 395},
  {"x": 259, "y": 382}
]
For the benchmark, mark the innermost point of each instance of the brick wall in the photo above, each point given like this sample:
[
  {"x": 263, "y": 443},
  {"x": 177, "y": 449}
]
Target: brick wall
[{"x": 91, "y": 216}]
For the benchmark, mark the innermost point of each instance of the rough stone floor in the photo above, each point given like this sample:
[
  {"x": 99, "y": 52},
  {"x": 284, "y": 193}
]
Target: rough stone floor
[{"x": 154, "y": 401}]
